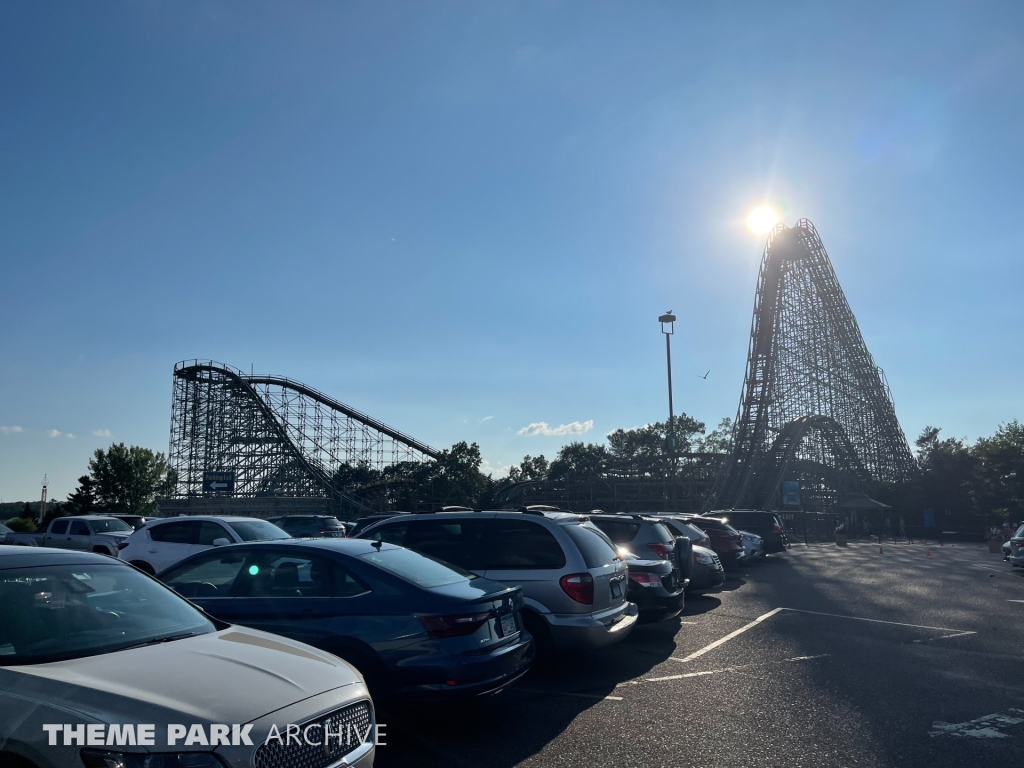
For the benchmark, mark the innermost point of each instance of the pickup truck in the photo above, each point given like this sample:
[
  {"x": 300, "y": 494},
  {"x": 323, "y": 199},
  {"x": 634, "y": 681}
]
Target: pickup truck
[{"x": 88, "y": 533}]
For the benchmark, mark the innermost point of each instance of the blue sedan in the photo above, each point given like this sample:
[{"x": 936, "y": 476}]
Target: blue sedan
[{"x": 416, "y": 627}]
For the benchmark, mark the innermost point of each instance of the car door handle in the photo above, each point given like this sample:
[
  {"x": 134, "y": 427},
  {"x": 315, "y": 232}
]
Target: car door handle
[{"x": 151, "y": 551}]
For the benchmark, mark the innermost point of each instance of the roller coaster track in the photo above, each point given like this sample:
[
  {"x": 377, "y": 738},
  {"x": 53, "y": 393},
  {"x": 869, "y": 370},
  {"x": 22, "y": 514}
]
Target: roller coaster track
[
  {"x": 812, "y": 396},
  {"x": 277, "y": 436}
]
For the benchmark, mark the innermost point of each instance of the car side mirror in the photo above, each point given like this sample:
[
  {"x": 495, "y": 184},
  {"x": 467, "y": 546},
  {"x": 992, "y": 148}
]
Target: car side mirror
[{"x": 220, "y": 542}]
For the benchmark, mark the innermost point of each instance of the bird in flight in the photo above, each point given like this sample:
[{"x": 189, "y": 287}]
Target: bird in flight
[{"x": 705, "y": 376}]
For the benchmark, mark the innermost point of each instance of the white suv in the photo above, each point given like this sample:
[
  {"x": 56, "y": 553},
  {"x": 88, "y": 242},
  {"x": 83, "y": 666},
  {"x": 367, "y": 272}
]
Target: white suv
[{"x": 163, "y": 543}]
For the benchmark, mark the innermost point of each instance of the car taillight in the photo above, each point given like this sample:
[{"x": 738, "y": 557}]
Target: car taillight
[
  {"x": 645, "y": 579},
  {"x": 660, "y": 550},
  {"x": 579, "y": 586},
  {"x": 122, "y": 544},
  {"x": 776, "y": 529},
  {"x": 453, "y": 626}
]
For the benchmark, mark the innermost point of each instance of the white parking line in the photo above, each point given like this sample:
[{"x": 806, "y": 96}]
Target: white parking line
[
  {"x": 943, "y": 637},
  {"x": 730, "y": 636},
  {"x": 763, "y": 617}
]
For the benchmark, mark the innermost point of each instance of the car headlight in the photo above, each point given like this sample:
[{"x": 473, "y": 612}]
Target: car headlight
[
  {"x": 98, "y": 758},
  {"x": 704, "y": 558}
]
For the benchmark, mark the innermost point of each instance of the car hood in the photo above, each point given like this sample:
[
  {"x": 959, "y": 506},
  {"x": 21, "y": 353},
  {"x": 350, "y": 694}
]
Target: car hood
[
  {"x": 114, "y": 534},
  {"x": 236, "y": 675}
]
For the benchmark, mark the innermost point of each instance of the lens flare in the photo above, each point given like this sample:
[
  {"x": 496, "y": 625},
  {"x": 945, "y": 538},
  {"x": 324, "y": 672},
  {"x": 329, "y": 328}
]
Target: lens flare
[{"x": 762, "y": 219}]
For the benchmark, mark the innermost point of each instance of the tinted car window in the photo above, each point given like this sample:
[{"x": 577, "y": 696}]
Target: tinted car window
[
  {"x": 174, "y": 533},
  {"x": 59, "y": 526},
  {"x": 460, "y": 542},
  {"x": 212, "y": 576},
  {"x": 280, "y": 574},
  {"x": 418, "y": 568},
  {"x": 110, "y": 526},
  {"x": 209, "y": 531},
  {"x": 1020, "y": 533},
  {"x": 78, "y": 528},
  {"x": 257, "y": 530},
  {"x": 619, "y": 531},
  {"x": 680, "y": 528},
  {"x": 69, "y": 611},
  {"x": 515, "y": 544},
  {"x": 596, "y": 548},
  {"x": 390, "y": 534},
  {"x": 662, "y": 533}
]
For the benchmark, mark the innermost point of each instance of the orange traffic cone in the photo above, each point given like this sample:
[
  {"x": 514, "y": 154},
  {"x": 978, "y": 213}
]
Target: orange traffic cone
[{"x": 928, "y": 553}]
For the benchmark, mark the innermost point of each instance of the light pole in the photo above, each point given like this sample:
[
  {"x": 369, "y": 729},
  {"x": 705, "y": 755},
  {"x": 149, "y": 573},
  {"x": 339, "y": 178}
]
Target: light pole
[{"x": 668, "y": 320}]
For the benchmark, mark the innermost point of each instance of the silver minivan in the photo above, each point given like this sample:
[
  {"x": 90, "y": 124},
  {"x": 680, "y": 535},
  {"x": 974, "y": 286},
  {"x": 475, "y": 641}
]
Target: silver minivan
[{"x": 574, "y": 584}]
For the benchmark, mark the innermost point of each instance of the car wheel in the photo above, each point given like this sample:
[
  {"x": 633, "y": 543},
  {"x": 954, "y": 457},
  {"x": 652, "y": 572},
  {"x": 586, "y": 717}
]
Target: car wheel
[
  {"x": 143, "y": 566},
  {"x": 370, "y": 667},
  {"x": 542, "y": 642}
]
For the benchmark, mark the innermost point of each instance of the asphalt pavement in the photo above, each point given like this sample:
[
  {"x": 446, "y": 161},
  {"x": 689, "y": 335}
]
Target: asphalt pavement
[{"x": 817, "y": 657}]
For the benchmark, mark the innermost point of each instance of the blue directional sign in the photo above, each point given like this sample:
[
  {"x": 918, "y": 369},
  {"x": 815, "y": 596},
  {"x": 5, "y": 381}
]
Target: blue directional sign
[{"x": 222, "y": 483}]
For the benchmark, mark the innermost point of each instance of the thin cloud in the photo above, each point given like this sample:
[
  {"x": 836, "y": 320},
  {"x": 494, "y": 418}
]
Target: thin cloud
[
  {"x": 10, "y": 430},
  {"x": 485, "y": 418},
  {"x": 496, "y": 470},
  {"x": 58, "y": 433},
  {"x": 542, "y": 428},
  {"x": 102, "y": 433}
]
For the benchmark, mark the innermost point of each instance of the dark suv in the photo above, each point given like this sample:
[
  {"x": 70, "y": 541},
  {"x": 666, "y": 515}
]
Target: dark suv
[
  {"x": 765, "y": 524},
  {"x": 310, "y": 526}
]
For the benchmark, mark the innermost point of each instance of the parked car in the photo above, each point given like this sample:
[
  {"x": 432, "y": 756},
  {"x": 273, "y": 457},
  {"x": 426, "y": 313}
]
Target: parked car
[
  {"x": 310, "y": 526},
  {"x": 767, "y": 525},
  {"x": 678, "y": 526},
  {"x": 725, "y": 540},
  {"x": 363, "y": 523},
  {"x": 753, "y": 547},
  {"x": 638, "y": 533},
  {"x": 653, "y": 586},
  {"x": 162, "y": 543},
  {"x": 135, "y": 521},
  {"x": 574, "y": 583},
  {"x": 706, "y": 572},
  {"x": 1016, "y": 556},
  {"x": 415, "y": 627},
  {"x": 101, "y": 534},
  {"x": 88, "y": 642},
  {"x": 3, "y": 531}
]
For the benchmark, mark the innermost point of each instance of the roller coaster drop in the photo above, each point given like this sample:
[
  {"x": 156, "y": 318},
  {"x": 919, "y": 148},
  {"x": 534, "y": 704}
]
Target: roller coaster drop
[{"x": 275, "y": 436}]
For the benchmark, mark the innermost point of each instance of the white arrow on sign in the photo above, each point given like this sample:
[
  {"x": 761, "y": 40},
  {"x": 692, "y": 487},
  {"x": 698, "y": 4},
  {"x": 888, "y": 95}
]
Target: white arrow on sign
[{"x": 215, "y": 486}]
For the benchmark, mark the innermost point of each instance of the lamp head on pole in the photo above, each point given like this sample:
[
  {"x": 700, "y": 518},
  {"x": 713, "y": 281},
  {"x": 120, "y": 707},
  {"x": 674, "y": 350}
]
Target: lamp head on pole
[{"x": 668, "y": 319}]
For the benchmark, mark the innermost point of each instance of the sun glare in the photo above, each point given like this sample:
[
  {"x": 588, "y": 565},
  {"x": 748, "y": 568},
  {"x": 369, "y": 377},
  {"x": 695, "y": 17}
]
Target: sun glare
[{"x": 762, "y": 219}]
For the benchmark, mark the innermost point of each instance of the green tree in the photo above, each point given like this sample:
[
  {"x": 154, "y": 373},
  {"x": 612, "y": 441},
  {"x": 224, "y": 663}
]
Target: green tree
[
  {"x": 455, "y": 476},
  {"x": 530, "y": 468},
  {"x": 579, "y": 461},
  {"x": 999, "y": 463},
  {"x": 129, "y": 480},
  {"x": 948, "y": 473},
  {"x": 718, "y": 440},
  {"x": 82, "y": 501},
  {"x": 21, "y": 524}
]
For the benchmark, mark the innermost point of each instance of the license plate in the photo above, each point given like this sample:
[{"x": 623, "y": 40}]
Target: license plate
[
  {"x": 508, "y": 625},
  {"x": 616, "y": 590}
]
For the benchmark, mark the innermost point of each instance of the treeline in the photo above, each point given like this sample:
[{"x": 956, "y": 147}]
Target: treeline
[
  {"x": 983, "y": 480},
  {"x": 455, "y": 477},
  {"x": 122, "y": 480}
]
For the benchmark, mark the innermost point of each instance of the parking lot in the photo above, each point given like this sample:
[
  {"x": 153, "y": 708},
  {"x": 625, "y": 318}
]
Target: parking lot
[{"x": 817, "y": 657}]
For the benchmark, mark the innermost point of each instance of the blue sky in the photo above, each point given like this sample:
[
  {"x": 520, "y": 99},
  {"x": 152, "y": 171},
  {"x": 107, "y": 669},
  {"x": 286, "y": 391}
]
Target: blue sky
[{"x": 464, "y": 218}]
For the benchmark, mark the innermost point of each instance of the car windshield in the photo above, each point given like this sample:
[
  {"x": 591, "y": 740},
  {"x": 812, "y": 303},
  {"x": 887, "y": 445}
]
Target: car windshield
[
  {"x": 113, "y": 525},
  {"x": 420, "y": 569},
  {"x": 1020, "y": 533},
  {"x": 56, "y": 612},
  {"x": 257, "y": 530}
]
